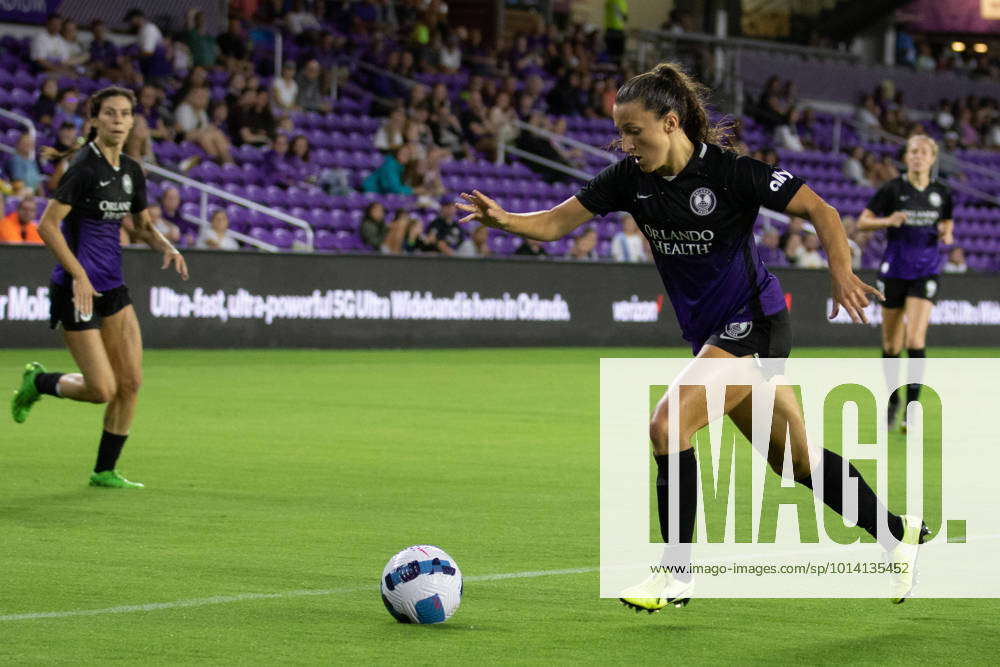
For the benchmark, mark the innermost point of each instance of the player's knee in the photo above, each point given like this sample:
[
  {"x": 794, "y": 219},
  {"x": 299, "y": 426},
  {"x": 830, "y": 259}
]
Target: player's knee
[
  {"x": 129, "y": 385},
  {"x": 102, "y": 392},
  {"x": 659, "y": 428}
]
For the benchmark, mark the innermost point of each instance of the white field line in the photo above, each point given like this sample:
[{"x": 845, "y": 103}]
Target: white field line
[{"x": 530, "y": 574}]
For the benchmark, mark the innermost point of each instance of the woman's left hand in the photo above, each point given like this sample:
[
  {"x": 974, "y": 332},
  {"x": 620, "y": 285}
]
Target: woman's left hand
[
  {"x": 177, "y": 259},
  {"x": 852, "y": 293}
]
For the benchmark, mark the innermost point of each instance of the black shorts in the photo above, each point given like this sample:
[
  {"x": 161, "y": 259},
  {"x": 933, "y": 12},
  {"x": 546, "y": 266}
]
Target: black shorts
[
  {"x": 63, "y": 312},
  {"x": 897, "y": 289},
  {"x": 769, "y": 337}
]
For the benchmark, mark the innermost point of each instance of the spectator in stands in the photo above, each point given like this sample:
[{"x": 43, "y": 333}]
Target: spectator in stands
[
  {"x": 791, "y": 246},
  {"x": 389, "y": 136},
  {"x": 530, "y": 247},
  {"x": 414, "y": 237},
  {"x": 283, "y": 168},
  {"x": 584, "y": 246},
  {"x": 301, "y": 20},
  {"x": 67, "y": 109},
  {"x": 66, "y": 138},
  {"x": 22, "y": 168},
  {"x": 868, "y": 114},
  {"x": 769, "y": 248},
  {"x": 887, "y": 168},
  {"x": 49, "y": 51},
  {"x": 150, "y": 107},
  {"x": 76, "y": 54},
  {"x": 256, "y": 124},
  {"x": 153, "y": 61},
  {"x": 956, "y": 261},
  {"x": 216, "y": 235},
  {"x": 204, "y": 48},
  {"x": 853, "y": 168},
  {"x": 771, "y": 111},
  {"x": 171, "y": 231},
  {"x": 395, "y": 234},
  {"x": 850, "y": 225},
  {"x": 449, "y": 55},
  {"x": 20, "y": 225},
  {"x": 476, "y": 244},
  {"x": 300, "y": 155},
  {"x": 170, "y": 211},
  {"x": 628, "y": 244},
  {"x": 615, "y": 21},
  {"x": 285, "y": 90},
  {"x": 311, "y": 96},
  {"x": 444, "y": 233},
  {"x": 502, "y": 117},
  {"x": 388, "y": 177},
  {"x": 193, "y": 124},
  {"x": 373, "y": 227},
  {"x": 233, "y": 46},
  {"x": 786, "y": 135},
  {"x": 45, "y": 105},
  {"x": 811, "y": 258},
  {"x": 106, "y": 60}
]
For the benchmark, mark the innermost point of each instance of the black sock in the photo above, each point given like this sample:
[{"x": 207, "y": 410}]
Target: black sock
[
  {"x": 868, "y": 503},
  {"x": 687, "y": 496},
  {"x": 915, "y": 373},
  {"x": 46, "y": 383},
  {"x": 109, "y": 451},
  {"x": 890, "y": 381}
]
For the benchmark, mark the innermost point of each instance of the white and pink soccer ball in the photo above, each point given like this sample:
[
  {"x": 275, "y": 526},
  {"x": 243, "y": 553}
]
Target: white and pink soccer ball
[{"x": 421, "y": 584}]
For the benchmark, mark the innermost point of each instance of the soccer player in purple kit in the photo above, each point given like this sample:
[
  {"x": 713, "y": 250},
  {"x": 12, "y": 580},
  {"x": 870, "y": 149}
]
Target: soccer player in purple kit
[
  {"x": 696, "y": 203},
  {"x": 88, "y": 295},
  {"x": 916, "y": 212}
]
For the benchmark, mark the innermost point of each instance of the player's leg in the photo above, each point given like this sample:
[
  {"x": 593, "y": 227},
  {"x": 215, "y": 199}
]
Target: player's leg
[
  {"x": 918, "y": 317},
  {"x": 123, "y": 341},
  {"x": 906, "y": 532},
  {"x": 893, "y": 331},
  {"x": 677, "y": 474}
]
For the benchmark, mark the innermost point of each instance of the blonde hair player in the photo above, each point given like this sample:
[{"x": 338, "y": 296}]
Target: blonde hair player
[{"x": 916, "y": 212}]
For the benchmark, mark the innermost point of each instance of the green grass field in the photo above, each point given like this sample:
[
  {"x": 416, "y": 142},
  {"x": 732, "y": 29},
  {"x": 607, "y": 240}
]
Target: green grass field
[{"x": 298, "y": 473}]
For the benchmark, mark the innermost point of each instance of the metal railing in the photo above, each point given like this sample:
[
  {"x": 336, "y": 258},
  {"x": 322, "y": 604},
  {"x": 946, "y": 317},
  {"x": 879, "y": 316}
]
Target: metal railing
[
  {"x": 949, "y": 162},
  {"x": 207, "y": 190},
  {"x": 23, "y": 120}
]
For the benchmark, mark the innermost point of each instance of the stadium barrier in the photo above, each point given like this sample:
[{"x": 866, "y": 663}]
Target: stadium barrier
[{"x": 343, "y": 301}]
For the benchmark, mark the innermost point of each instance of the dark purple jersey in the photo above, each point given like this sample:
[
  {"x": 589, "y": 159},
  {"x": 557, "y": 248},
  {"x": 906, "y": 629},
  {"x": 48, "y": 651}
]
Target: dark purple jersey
[
  {"x": 912, "y": 249},
  {"x": 700, "y": 227},
  {"x": 100, "y": 196}
]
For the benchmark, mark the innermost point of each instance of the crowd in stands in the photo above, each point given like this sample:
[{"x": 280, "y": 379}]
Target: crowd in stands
[{"x": 214, "y": 91}]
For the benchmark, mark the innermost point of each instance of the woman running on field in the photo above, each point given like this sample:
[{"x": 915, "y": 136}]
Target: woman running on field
[
  {"x": 88, "y": 295},
  {"x": 696, "y": 203},
  {"x": 916, "y": 212}
]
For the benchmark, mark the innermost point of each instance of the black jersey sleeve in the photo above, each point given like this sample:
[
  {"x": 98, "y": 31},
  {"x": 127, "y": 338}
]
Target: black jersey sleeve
[
  {"x": 884, "y": 201},
  {"x": 759, "y": 184},
  {"x": 76, "y": 181},
  {"x": 139, "y": 202},
  {"x": 608, "y": 191}
]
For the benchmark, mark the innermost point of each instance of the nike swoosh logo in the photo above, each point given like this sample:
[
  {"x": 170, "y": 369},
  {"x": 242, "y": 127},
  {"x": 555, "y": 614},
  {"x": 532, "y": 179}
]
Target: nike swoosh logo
[
  {"x": 103, "y": 183},
  {"x": 643, "y": 196}
]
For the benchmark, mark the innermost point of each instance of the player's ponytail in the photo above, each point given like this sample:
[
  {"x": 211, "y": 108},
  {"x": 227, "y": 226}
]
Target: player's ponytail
[{"x": 667, "y": 88}]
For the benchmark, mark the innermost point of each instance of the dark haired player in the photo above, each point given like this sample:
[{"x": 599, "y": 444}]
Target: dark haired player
[
  {"x": 696, "y": 204},
  {"x": 88, "y": 295},
  {"x": 915, "y": 211}
]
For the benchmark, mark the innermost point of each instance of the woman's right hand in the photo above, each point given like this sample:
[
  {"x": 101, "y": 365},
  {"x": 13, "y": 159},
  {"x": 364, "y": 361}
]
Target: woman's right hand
[
  {"x": 484, "y": 210},
  {"x": 83, "y": 297}
]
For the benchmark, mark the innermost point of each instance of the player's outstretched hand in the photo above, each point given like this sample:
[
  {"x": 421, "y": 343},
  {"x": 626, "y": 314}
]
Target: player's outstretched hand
[
  {"x": 177, "y": 259},
  {"x": 484, "y": 210},
  {"x": 852, "y": 293}
]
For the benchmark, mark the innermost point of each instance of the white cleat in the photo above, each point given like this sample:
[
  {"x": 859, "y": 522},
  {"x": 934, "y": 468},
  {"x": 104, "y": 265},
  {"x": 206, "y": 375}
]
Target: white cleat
[
  {"x": 903, "y": 559},
  {"x": 656, "y": 592}
]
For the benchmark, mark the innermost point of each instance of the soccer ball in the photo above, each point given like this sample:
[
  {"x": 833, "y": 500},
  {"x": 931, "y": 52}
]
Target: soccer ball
[{"x": 421, "y": 584}]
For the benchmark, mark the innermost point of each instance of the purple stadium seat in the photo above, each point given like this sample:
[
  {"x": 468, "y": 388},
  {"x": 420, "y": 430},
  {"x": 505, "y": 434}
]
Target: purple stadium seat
[
  {"x": 262, "y": 234},
  {"x": 325, "y": 240}
]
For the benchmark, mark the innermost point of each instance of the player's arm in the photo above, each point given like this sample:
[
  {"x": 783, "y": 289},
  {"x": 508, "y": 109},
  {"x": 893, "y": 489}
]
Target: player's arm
[
  {"x": 48, "y": 229},
  {"x": 868, "y": 221},
  {"x": 849, "y": 291},
  {"x": 146, "y": 232},
  {"x": 549, "y": 225},
  {"x": 946, "y": 229}
]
